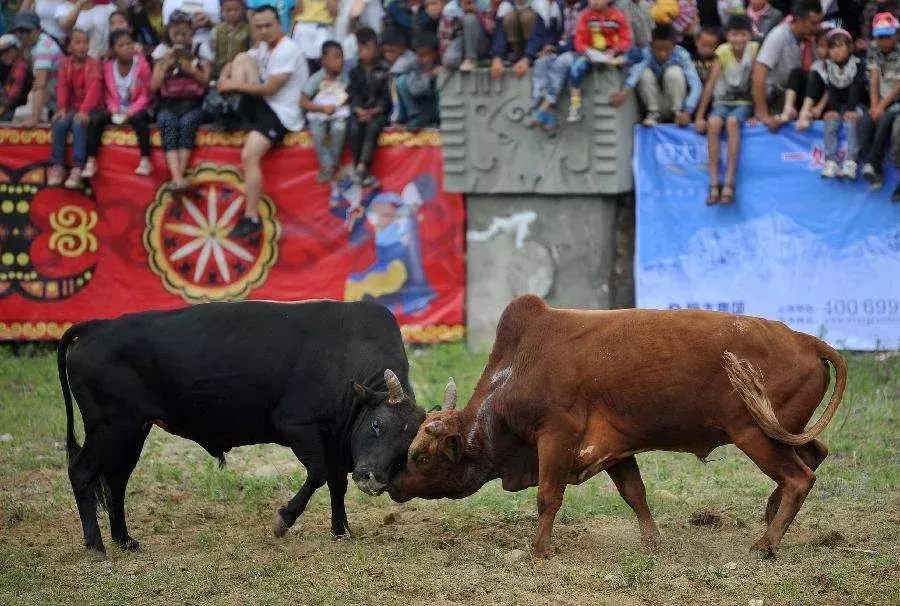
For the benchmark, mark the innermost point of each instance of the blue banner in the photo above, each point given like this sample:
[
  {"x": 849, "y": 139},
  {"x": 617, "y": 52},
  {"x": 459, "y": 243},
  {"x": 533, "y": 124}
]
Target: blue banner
[{"x": 821, "y": 255}]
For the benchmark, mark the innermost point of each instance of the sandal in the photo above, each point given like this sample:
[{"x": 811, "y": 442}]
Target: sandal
[
  {"x": 712, "y": 197},
  {"x": 727, "y": 198}
]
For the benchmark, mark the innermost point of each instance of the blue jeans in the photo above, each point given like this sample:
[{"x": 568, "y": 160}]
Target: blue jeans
[
  {"x": 328, "y": 139},
  {"x": 548, "y": 76},
  {"x": 832, "y": 129},
  {"x": 580, "y": 69},
  {"x": 59, "y": 131},
  {"x": 417, "y": 111}
]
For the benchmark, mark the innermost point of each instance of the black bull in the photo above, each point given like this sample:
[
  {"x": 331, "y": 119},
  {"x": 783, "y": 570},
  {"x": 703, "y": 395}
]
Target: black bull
[{"x": 316, "y": 377}]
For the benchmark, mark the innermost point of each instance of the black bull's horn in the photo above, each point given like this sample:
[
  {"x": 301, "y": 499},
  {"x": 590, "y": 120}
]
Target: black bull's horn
[{"x": 395, "y": 389}]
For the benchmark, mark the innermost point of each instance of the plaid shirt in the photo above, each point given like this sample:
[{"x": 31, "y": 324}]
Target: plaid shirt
[{"x": 16, "y": 85}]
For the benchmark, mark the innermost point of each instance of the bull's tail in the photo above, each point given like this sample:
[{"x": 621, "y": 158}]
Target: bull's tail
[
  {"x": 748, "y": 382},
  {"x": 69, "y": 337}
]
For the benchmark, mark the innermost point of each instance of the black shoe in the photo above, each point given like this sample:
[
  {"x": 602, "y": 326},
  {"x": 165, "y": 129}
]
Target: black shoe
[
  {"x": 245, "y": 227},
  {"x": 895, "y": 197}
]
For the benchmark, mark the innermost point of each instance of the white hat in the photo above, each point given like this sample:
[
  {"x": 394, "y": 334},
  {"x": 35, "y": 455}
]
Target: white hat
[{"x": 8, "y": 41}]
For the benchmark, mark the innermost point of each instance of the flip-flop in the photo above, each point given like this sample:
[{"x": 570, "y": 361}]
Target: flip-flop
[{"x": 712, "y": 197}]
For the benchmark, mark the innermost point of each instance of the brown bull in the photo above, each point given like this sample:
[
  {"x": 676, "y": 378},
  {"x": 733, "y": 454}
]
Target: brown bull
[{"x": 567, "y": 394}]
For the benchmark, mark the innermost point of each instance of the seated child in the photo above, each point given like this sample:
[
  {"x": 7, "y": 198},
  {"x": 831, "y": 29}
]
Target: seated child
[
  {"x": 78, "y": 95},
  {"x": 15, "y": 77},
  {"x": 729, "y": 88},
  {"x": 325, "y": 102},
  {"x": 128, "y": 101},
  {"x": 666, "y": 80},
  {"x": 417, "y": 88},
  {"x": 463, "y": 37},
  {"x": 705, "y": 45},
  {"x": 515, "y": 27},
  {"x": 231, "y": 37},
  {"x": 764, "y": 17},
  {"x": 181, "y": 77},
  {"x": 843, "y": 90},
  {"x": 370, "y": 103},
  {"x": 601, "y": 37},
  {"x": 883, "y": 65},
  {"x": 552, "y": 68},
  {"x": 402, "y": 61}
]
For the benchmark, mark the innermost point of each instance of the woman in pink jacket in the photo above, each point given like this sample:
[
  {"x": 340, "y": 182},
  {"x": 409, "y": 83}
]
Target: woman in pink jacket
[{"x": 126, "y": 79}]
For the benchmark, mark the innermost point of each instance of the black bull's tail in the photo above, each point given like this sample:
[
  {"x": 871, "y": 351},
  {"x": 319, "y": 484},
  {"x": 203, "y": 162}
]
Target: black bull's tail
[{"x": 69, "y": 337}]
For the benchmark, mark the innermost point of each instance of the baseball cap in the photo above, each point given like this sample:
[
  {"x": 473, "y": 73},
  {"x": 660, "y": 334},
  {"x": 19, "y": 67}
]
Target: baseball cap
[
  {"x": 8, "y": 41},
  {"x": 26, "y": 20},
  {"x": 884, "y": 24}
]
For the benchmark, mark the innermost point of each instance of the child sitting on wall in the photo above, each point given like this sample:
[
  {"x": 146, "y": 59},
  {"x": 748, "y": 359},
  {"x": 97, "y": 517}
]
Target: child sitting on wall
[{"x": 325, "y": 102}]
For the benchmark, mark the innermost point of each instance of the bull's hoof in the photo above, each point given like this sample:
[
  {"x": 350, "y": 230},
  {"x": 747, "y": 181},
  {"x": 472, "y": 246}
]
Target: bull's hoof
[
  {"x": 131, "y": 545},
  {"x": 652, "y": 542},
  {"x": 280, "y": 527},
  {"x": 541, "y": 552},
  {"x": 95, "y": 552}
]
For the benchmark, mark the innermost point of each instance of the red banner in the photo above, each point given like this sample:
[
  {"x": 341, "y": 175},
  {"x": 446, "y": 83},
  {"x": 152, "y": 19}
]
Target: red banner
[{"x": 121, "y": 243}]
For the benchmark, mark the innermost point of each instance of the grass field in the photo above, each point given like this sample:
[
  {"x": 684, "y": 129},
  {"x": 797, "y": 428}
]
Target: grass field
[{"x": 206, "y": 531}]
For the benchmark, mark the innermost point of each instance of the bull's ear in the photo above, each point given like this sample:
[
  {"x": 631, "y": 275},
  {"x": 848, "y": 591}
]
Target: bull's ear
[
  {"x": 363, "y": 393},
  {"x": 451, "y": 446}
]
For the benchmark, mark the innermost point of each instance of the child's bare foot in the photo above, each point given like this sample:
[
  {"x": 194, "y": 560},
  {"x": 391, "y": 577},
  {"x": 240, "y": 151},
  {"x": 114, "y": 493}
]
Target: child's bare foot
[
  {"x": 90, "y": 169},
  {"x": 144, "y": 168},
  {"x": 788, "y": 115},
  {"x": 803, "y": 121},
  {"x": 467, "y": 66}
]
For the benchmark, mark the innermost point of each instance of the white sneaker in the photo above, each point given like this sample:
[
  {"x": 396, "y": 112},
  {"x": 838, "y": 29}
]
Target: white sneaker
[
  {"x": 652, "y": 119},
  {"x": 831, "y": 170},
  {"x": 849, "y": 169},
  {"x": 868, "y": 172}
]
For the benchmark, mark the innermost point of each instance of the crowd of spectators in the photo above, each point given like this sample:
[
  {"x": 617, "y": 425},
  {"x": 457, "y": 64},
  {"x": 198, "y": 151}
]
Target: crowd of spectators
[{"x": 348, "y": 68}]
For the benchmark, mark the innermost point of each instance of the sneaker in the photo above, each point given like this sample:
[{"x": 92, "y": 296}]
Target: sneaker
[
  {"x": 90, "y": 169},
  {"x": 534, "y": 118},
  {"x": 895, "y": 196},
  {"x": 575, "y": 114},
  {"x": 467, "y": 66},
  {"x": 245, "y": 227},
  {"x": 74, "y": 180},
  {"x": 56, "y": 176},
  {"x": 548, "y": 122},
  {"x": 877, "y": 183},
  {"x": 868, "y": 172},
  {"x": 831, "y": 170},
  {"x": 652, "y": 119},
  {"x": 848, "y": 171}
]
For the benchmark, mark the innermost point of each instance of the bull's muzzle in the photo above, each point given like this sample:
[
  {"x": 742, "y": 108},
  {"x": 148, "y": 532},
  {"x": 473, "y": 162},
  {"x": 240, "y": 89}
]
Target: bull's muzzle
[{"x": 366, "y": 482}]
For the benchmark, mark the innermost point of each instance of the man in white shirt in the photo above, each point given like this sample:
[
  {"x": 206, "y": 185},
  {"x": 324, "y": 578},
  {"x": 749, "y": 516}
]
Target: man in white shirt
[{"x": 272, "y": 74}]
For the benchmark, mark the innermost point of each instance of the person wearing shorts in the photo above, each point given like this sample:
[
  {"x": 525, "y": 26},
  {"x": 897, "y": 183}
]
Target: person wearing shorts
[
  {"x": 729, "y": 87},
  {"x": 272, "y": 76}
]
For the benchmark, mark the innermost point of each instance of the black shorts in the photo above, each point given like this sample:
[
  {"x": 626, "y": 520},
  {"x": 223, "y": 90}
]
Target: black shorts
[{"x": 265, "y": 121}]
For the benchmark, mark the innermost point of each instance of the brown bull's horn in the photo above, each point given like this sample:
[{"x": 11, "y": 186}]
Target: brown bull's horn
[
  {"x": 395, "y": 390},
  {"x": 450, "y": 395}
]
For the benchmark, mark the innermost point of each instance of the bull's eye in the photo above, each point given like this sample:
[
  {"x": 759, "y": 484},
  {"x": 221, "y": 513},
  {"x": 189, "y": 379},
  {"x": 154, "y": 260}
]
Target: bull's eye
[{"x": 376, "y": 427}]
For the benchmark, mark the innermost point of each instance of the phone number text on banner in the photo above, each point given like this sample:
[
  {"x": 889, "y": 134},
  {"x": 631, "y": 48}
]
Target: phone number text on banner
[
  {"x": 821, "y": 255},
  {"x": 122, "y": 243}
]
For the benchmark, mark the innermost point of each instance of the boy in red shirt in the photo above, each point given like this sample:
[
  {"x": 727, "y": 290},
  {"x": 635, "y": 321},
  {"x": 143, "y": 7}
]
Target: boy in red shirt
[
  {"x": 602, "y": 36},
  {"x": 78, "y": 94}
]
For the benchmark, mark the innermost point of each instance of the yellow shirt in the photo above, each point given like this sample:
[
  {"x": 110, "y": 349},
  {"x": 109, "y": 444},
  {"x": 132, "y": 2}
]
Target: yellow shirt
[{"x": 314, "y": 11}]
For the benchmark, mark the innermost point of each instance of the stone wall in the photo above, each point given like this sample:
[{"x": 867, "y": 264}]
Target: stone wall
[{"x": 545, "y": 213}]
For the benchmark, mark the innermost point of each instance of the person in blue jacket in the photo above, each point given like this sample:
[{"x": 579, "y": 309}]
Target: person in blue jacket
[
  {"x": 666, "y": 80},
  {"x": 554, "y": 63}
]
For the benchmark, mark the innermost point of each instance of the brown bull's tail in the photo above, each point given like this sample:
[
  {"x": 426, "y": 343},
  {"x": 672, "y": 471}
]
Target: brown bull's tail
[{"x": 748, "y": 382}]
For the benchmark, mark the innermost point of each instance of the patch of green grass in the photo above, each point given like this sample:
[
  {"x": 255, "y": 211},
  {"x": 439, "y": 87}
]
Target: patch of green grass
[{"x": 206, "y": 531}]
